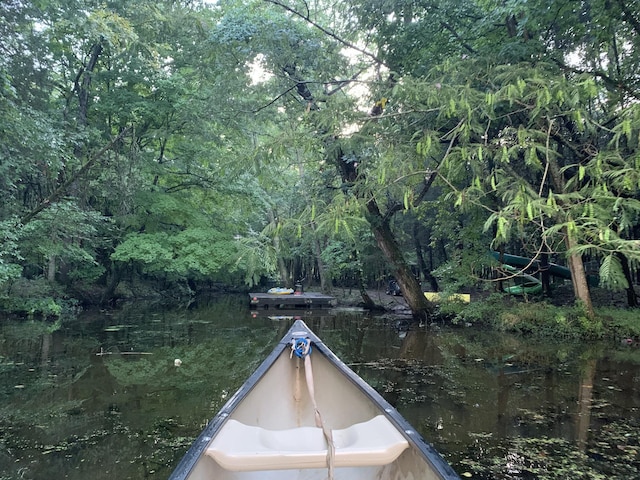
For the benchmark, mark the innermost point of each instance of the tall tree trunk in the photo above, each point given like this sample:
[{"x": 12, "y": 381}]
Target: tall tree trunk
[
  {"x": 348, "y": 170},
  {"x": 83, "y": 83},
  {"x": 420, "y": 307},
  {"x": 632, "y": 297},
  {"x": 51, "y": 268},
  {"x": 325, "y": 279},
  {"x": 576, "y": 266},
  {"x": 422, "y": 264},
  {"x": 579, "y": 277},
  {"x": 282, "y": 268}
]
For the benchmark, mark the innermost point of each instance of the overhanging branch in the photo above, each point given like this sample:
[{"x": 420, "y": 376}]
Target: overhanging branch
[
  {"x": 344, "y": 42},
  {"x": 59, "y": 192}
]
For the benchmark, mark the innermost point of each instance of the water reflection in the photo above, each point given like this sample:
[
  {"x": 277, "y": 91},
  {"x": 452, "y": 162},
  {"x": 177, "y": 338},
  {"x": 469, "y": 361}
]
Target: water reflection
[
  {"x": 585, "y": 400},
  {"x": 103, "y": 398}
]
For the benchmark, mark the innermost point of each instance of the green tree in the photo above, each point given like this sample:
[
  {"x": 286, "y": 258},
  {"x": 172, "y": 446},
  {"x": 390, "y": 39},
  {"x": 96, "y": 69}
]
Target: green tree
[
  {"x": 127, "y": 112},
  {"x": 517, "y": 119},
  {"x": 310, "y": 76},
  {"x": 271, "y": 130}
]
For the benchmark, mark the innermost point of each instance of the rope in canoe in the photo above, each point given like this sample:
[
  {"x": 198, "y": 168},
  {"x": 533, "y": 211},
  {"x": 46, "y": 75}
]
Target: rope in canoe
[{"x": 301, "y": 347}]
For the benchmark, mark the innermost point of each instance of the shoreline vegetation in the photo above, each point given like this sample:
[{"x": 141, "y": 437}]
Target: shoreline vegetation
[{"x": 556, "y": 316}]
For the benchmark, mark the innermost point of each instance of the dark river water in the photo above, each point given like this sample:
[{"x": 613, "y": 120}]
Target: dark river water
[{"x": 100, "y": 397}]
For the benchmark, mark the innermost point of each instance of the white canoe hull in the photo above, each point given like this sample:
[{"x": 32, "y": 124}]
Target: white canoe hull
[{"x": 268, "y": 429}]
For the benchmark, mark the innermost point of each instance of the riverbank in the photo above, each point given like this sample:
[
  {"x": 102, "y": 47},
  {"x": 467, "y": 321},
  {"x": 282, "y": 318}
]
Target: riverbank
[
  {"x": 556, "y": 316},
  {"x": 350, "y": 297},
  {"x": 562, "y": 296}
]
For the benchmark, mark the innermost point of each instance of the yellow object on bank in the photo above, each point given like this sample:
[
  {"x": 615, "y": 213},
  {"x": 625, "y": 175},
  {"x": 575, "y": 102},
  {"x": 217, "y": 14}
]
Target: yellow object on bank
[{"x": 460, "y": 297}]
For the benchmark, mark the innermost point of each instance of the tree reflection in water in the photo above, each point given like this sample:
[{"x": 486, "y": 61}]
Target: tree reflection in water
[{"x": 495, "y": 405}]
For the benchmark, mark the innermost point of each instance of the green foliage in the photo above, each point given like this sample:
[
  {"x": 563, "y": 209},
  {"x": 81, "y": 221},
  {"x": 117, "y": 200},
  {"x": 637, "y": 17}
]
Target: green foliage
[
  {"x": 36, "y": 298},
  {"x": 192, "y": 253},
  {"x": 257, "y": 258},
  {"x": 69, "y": 234},
  {"x": 341, "y": 261},
  {"x": 341, "y": 219},
  {"x": 530, "y": 132},
  {"x": 621, "y": 323},
  {"x": 536, "y": 319},
  {"x": 611, "y": 274},
  {"x": 522, "y": 168},
  {"x": 148, "y": 249},
  {"x": 9, "y": 252}
]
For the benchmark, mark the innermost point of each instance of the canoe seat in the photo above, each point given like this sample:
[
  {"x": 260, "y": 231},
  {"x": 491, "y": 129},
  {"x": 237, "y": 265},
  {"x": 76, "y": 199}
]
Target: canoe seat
[{"x": 240, "y": 447}]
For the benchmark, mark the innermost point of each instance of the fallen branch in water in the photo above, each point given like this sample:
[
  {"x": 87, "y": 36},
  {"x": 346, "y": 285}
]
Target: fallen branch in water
[{"x": 100, "y": 354}]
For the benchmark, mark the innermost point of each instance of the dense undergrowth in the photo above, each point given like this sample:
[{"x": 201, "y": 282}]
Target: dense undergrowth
[{"x": 541, "y": 318}]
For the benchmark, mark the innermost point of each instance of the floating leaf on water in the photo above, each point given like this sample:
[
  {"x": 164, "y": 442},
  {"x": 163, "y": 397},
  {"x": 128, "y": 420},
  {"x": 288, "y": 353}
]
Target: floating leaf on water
[{"x": 117, "y": 328}]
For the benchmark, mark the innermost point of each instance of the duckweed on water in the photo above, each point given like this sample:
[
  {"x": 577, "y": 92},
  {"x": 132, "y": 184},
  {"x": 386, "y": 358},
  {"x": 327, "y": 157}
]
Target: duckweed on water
[
  {"x": 614, "y": 456},
  {"x": 130, "y": 416},
  {"x": 532, "y": 458}
]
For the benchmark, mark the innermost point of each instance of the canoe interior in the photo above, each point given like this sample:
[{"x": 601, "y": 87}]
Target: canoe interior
[{"x": 280, "y": 400}]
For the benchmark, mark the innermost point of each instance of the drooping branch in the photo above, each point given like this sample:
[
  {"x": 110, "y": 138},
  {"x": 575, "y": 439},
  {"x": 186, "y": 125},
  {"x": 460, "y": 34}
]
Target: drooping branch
[
  {"x": 628, "y": 16},
  {"x": 466, "y": 46},
  {"x": 420, "y": 193},
  {"x": 62, "y": 189},
  {"x": 425, "y": 186},
  {"x": 301, "y": 86},
  {"x": 347, "y": 168},
  {"x": 337, "y": 85},
  {"x": 337, "y": 38},
  {"x": 274, "y": 100},
  {"x": 83, "y": 81},
  {"x": 613, "y": 83}
]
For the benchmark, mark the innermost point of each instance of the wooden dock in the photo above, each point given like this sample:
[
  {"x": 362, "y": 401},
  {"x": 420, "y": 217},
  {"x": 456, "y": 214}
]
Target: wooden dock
[
  {"x": 291, "y": 314},
  {"x": 306, "y": 301}
]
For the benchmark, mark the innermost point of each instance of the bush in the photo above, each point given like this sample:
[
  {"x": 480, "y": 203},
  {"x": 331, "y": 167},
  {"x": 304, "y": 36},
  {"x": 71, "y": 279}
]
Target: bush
[
  {"x": 539, "y": 319},
  {"x": 35, "y": 298}
]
